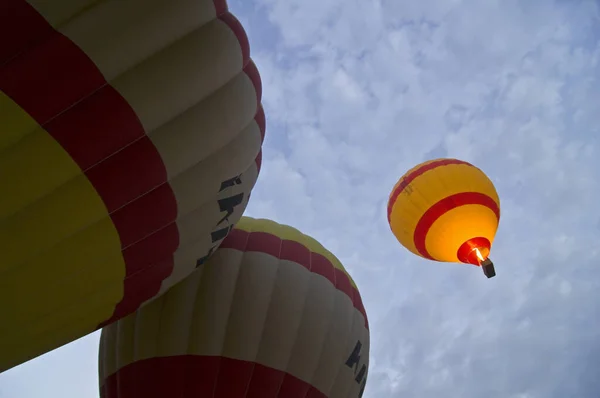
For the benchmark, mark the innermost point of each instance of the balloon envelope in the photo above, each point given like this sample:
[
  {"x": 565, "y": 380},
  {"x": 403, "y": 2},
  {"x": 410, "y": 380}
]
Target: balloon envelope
[
  {"x": 446, "y": 210},
  {"x": 130, "y": 137},
  {"x": 271, "y": 314}
]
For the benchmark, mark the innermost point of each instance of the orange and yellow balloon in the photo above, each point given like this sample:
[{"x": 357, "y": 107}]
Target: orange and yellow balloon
[
  {"x": 445, "y": 210},
  {"x": 271, "y": 313},
  {"x": 130, "y": 139}
]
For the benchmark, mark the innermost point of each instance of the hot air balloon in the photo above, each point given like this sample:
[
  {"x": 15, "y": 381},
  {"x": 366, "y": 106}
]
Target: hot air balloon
[
  {"x": 446, "y": 210},
  {"x": 130, "y": 138},
  {"x": 270, "y": 314}
]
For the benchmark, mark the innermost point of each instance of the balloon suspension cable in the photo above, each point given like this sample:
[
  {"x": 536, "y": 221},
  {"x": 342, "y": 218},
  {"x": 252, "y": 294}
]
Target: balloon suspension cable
[{"x": 488, "y": 268}]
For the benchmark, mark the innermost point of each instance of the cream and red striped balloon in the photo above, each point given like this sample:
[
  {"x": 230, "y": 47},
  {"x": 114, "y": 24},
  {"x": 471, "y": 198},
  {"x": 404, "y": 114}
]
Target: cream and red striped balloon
[
  {"x": 445, "y": 210},
  {"x": 130, "y": 138},
  {"x": 271, "y": 314}
]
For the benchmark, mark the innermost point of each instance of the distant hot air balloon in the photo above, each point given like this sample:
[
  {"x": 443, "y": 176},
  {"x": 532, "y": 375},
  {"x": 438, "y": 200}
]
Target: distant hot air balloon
[
  {"x": 130, "y": 138},
  {"x": 446, "y": 210},
  {"x": 271, "y": 314}
]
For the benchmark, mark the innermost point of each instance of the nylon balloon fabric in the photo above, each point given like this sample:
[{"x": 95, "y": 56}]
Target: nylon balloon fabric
[
  {"x": 443, "y": 209},
  {"x": 271, "y": 314},
  {"x": 131, "y": 136}
]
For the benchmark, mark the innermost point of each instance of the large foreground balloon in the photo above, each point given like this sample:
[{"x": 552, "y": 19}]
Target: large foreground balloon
[
  {"x": 130, "y": 136},
  {"x": 271, "y": 314},
  {"x": 446, "y": 210}
]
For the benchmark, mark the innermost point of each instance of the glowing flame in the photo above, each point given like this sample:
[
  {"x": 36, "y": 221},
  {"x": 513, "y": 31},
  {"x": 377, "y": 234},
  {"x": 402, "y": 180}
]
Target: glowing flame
[{"x": 479, "y": 256}]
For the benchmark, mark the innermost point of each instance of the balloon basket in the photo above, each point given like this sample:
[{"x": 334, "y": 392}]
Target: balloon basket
[{"x": 488, "y": 268}]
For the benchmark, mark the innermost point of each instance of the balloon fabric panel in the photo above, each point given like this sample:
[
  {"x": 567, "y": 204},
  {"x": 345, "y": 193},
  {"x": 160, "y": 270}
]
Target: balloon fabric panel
[
  {"x": 271, "y": 314},
  {"x": 439, "y": 205},
  {"x": 128, "y": 153}
]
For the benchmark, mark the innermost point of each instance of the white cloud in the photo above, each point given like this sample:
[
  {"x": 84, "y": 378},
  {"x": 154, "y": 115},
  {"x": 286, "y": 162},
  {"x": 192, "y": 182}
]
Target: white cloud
[
  {"x": 506, "y": 85},
  {"x": 356, "y": 92}
]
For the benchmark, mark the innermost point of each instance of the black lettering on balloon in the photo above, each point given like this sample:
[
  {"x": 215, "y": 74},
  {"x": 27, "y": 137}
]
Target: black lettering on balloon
[
  {"x": 221, "y": 233},
  {"x": 216, "y": 236},
  {"x": 225, "y": 205},
  {"x": 355, "y": 356},
  {"x": 362, "y": 387},
  {"x": 237, "y": 180},
  {"x": 360, "y": 372},
  {"x": 229, "y": 204}
]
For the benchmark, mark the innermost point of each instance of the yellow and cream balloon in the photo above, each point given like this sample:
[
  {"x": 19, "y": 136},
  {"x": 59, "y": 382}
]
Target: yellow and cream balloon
[
  {"x": 130, "y": 139},
  {"x": 445, "y": 210},
  {"x": 271, "y": 313}
]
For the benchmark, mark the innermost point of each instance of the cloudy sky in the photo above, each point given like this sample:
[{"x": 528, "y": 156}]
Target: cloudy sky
[{"x": 358, "y": 91}]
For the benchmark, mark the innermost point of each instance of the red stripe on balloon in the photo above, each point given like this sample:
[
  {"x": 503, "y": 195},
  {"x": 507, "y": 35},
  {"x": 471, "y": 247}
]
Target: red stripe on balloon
[
  {"x": 56, "y": 83},
  {"x": 261, "y": 121},
  {"x": 220, "y": 6},
  {"x": 419, "y": 171},
  {"x": 203, "y": 376},
  {"x": 443, "y": 206},
  {"x": 236, "y": 27},
  {"x": 141, "y": 279},
  {"x": 258, "y": 162},
  {"x": 62, "y": 89},
  {"x": 284, "y": 249}
]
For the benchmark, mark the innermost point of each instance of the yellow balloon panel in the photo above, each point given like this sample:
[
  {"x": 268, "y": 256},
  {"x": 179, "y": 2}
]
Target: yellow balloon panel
[
  {"x": 285, "y": 232},
  {"x": 16, "y": 124},
  {"x": 456, "y": 227}
]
